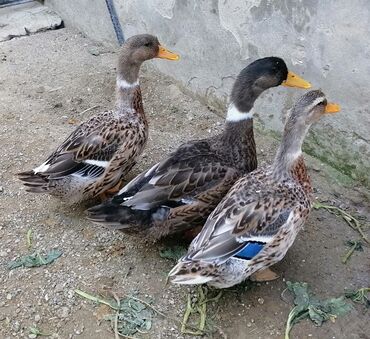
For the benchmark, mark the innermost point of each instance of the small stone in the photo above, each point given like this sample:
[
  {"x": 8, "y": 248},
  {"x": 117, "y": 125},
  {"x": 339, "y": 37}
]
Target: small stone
[
  {"x": 3, "y": 254},
  {"x": 59, "y": 288},
  {"x": 93, "y": 51},
  {"x": 63, "y": 312},
  {"x": 260, "y": 300},
  {"x": 40, "y": 89},
  {"x": 37, "y": 317},
  {"x": 249, "y": 324},
  {"x": 58, "y": 105},
  {"x": 1, "y": 189},
  {"x": 16, "y": 326},
  {"x": 9, "y": 296}
]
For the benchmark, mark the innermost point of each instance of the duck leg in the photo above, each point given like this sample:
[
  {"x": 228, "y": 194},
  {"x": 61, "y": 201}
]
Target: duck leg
[{"x": 264, "y": 275}]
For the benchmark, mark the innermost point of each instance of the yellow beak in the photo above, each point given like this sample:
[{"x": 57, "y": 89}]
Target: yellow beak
[
  {"x": 332, "y": 108},
  {"x": 293, "y": 80},
  {"x": 164, "y": 53}
]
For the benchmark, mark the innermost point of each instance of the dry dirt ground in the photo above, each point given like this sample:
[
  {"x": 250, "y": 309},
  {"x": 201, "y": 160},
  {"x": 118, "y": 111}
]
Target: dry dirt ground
[{"x": 48, "y": 79}]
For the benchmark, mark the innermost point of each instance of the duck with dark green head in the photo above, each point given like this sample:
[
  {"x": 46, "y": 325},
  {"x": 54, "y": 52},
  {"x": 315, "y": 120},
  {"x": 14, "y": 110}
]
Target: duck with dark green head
[{"x": 178, "y": 193}]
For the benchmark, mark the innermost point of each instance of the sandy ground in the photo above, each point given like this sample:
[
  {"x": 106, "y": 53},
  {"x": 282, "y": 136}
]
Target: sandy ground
[{"x": 49, "y": 78}]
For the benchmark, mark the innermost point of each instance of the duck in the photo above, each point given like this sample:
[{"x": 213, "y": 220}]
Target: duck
[
  {"x": 96, "y": 156},
  {"x": 257, "y": 221},
  {"x": 177, "y": 194}
]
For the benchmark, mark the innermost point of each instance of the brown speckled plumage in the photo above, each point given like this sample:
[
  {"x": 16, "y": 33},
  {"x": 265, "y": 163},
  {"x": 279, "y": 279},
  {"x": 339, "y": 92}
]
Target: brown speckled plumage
[
  {"x": 181, "y": 191},
  {"x": 100, "y": 152},
  {"x": 258, "y": 220}
]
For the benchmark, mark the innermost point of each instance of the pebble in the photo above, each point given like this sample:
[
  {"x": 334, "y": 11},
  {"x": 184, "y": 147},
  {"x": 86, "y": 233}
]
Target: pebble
[
  {"x": 261, "y": 300},
  {"x": 93, "y": 51},
  {"x": 9, "y": 296},
  {"x": 16, "y": 326},
  {"x": 59, "y": 288},
  {"x": 37, "y": 317},
  {"x": 63, "y": 312},
  {"x": 40, "y": 89}
]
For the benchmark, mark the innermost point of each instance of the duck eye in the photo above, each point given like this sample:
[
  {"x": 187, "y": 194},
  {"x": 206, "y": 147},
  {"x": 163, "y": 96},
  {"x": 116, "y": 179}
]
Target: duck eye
[
  {"x": 148, "y": 44},
  {"x": 323, "y": 103}
]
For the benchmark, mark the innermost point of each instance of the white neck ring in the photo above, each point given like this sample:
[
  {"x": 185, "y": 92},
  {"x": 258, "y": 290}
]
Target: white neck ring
[{"x": 233, "y": 114}]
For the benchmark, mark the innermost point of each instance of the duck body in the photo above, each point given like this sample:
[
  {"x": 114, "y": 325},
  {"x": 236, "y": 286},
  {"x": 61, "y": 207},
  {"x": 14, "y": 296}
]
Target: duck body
[
  {"x": 94, "y": 158},
  {"x": 180, "y": 192},
  {"x": 100, "y": 152},
  {"x": 259, "y": 218},
  {"x": 255, "y": 224}
]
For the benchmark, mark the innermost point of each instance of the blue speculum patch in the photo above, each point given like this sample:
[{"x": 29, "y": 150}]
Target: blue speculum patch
[{"x": 250, "y": 250}]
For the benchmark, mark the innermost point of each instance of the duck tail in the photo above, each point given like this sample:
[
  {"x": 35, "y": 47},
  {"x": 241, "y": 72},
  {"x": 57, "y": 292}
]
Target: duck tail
[
  {"x": 188, "y": 273},
  {"x": 116, "y": 216},
  {"x": 34, "y": 182}
]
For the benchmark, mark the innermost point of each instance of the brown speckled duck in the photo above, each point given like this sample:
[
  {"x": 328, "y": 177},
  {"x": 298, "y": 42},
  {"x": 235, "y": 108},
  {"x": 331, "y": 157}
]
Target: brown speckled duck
[
  {"x": 99, "y": 153},
  {"x": 258, "y": 220},
  {"x": 180, "y": 192}
]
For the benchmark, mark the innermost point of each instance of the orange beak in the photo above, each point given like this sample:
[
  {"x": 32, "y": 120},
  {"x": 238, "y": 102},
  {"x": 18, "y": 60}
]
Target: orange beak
[
  {"x": 294, "y": 80},
  {"x": 164, "y": 53},
  {"x": 331, "y": 108}
]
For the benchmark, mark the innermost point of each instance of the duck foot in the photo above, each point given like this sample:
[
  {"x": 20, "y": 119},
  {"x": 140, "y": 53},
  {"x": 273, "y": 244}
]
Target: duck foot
[{"x": 264, "y": 275}]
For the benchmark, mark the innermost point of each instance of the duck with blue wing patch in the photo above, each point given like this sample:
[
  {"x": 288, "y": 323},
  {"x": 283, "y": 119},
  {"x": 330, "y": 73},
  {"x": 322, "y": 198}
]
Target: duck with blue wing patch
[{"x": 258, "y": 220}]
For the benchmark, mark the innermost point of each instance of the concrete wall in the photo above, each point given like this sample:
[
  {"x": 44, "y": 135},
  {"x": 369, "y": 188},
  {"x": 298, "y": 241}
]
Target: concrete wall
[{"x": 326, "y": 41}]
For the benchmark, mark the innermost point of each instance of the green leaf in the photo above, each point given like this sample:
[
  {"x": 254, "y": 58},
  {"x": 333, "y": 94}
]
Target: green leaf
[
  {"x": 133, "y": 315},
  {"x": 34, "y": 332},
  {"x": 34, "y": 260},
  {"x": 300, "y": 292},
  {"x": 308, "y": 306},
  {"x": 173, "y": 253},
  {"x": 29, "y": 238},
  {"x": 359, "y": 296}
]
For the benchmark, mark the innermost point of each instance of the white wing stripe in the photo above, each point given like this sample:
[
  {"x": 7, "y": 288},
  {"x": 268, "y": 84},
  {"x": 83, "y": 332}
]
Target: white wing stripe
[
  {"x": 42, "y": 168},
  {"x": 99, "y": 163}
]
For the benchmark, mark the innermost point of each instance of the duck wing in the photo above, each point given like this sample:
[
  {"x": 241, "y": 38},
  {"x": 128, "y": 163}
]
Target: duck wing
[
  {"x": 249, "y": 214},
  {"x": 87, "y": 151},
  {"x": 177, "y": 180}
]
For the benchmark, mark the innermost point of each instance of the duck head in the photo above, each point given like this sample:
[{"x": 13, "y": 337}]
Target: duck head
[
  {"x": 307, "y": 110},
  {"x": 257, "y": 77},
  {"x": 135, "y": 51}
]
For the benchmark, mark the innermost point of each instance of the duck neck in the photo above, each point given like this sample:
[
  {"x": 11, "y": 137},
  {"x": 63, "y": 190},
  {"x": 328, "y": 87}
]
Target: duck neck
[
  {"x": 289, "y": 155},
  {"x": 127, "y": 86},
  {"x": 239, "y": 139},
  {"x": 238, "y": 123}
]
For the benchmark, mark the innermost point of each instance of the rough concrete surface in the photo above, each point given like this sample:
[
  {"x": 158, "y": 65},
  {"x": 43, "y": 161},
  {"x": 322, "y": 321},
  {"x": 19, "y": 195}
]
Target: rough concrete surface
[
  {"x": 326, "y": 41},
  {"x": 69, "y": 77},
  {"x": 26, "y": 18}
]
